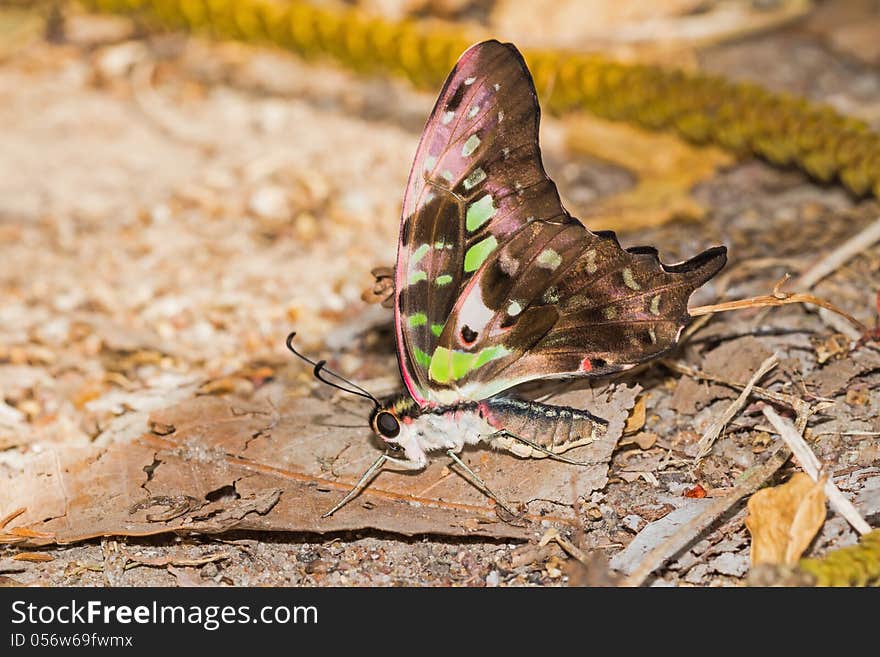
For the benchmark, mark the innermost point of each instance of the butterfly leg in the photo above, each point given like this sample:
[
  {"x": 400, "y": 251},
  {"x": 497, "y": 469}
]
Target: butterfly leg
[
  {"x": 369, "y": 474},
  {"x": 504, "y": 433},
  {"x": 480, "y": 483}
]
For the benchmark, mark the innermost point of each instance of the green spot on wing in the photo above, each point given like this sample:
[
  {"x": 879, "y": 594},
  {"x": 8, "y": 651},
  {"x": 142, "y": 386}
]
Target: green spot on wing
[
  {"x": 438, "y": 365},
  {"x": 477, "y": 254},
  {"x": 417, "y": 276},
  {"x": 479, "y": 212},
  {"x": 461, "y": 363},
  {"x": 487, "y": 354},
  {"x": 419, "y": 253},
  {"x": 437, "y": 329},
  {"x": 421, "y": 357},
  {"x": 443, "y": 279},
  {"x": 447, "y": 365},
  {"x": 417, "y": 319}
]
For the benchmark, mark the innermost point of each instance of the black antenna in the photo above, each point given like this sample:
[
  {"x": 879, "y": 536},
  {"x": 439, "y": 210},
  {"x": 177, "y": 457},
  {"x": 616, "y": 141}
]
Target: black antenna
[{"x": 321, "y": 369}]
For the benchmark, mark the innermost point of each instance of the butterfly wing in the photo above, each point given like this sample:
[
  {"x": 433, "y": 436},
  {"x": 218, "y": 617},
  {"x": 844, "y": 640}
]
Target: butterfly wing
[
  {"x": 476, "y": 180},
  {"x": 557, "y": 300},
  {"x": 496, "y": 284}
]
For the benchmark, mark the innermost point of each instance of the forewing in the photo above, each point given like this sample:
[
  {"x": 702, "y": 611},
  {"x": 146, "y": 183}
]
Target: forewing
[{"x": 477, "y": 179}]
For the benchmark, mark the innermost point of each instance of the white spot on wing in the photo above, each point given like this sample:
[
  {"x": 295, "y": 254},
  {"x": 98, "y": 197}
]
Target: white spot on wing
[
  {"x": 474, "y": 313},
  {"x": 470, "y": 81},
  {"x": 473, "y": 111},
  {"x": 447, "y": 117}
]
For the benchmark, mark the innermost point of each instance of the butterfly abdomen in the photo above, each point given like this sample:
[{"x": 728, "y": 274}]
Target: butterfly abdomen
[{"x": 556, "y": 428}]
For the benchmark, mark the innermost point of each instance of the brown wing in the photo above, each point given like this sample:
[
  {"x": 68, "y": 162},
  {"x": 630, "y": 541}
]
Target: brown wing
[{"x": 476, "y": 180}]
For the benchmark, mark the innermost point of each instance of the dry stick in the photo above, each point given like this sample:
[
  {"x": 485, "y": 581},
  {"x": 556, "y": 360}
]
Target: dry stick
[
  {"x": 840, "y": 256},
  {"x": 751, "y": 481},
  {"x": 798, "y": 404},
  {"x": 778, "y": 298},
  {"x": 573, "y": 550},
  {"x": 833, "y": 261},
  {"x": 813, "y": 467},
  {"x": 715, "y": 429}
]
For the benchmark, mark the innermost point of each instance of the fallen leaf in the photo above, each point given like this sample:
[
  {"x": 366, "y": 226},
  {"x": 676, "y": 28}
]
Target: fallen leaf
[
  {"x": 734, "y": 360},
  {"x": 210, "y": 464},
  {"x": 667, "y": 169},
  {"x": 834, "y": 376},
  {"x": 783, "y": 520},
  {"x": 637, "y": 416}
]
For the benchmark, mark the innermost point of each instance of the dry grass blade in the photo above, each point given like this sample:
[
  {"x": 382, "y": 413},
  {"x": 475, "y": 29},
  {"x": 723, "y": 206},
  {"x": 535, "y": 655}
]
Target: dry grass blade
[
  {"x": 715, "y": 429},
  {"x": 813, "y": 467},
  {"x": 778, "y": 298},
  {"x": 840, "y": 256},
  {"x": 33, "y": 556}
]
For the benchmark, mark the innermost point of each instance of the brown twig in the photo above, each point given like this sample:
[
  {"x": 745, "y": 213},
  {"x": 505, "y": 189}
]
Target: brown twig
[
  {"x": 750, "y": 481},
  {"x": 777, "y": 298},
  {"x": 840, "y": 256},
  {"x": 715, "y": 429},
  {"x": 171, "y": 560},
  {"x": 813, "y": 467},
  {"x": 570, "y": 548}
]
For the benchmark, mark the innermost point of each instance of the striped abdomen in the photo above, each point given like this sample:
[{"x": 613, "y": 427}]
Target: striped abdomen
[{"x": 558, "y": 428}]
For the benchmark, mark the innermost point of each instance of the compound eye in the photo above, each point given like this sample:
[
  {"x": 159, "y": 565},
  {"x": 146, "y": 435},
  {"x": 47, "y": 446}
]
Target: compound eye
[{"x": 387, "y": 424}]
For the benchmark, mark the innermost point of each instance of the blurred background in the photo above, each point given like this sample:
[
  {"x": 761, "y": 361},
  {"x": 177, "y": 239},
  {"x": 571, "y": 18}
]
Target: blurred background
[{"x": 183, "y": 182}]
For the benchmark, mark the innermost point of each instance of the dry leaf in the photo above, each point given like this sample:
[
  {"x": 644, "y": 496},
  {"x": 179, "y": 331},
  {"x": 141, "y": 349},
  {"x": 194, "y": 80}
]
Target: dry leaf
[
  {"x": 667, "y": 169},
  {"x": 783, "y": 520},
  {"x": 636, "y": 419},
  {"x": 211, "y": 464}
]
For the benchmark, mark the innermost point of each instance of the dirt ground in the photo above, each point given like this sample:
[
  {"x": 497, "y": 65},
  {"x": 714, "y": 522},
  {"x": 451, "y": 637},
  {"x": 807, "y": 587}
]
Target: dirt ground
[{"x": 171, "y": 208}]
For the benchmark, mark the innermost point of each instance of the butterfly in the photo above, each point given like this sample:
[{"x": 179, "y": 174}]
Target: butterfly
[{"x": 496, "y": 285}]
